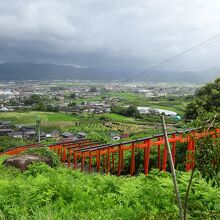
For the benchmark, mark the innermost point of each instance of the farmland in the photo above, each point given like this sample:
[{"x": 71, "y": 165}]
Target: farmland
[
  {"x": 88, "y": 107},
  {"x": 91, "y": 124}
]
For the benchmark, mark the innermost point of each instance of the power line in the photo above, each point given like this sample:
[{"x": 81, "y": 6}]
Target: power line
[{"x": 188, "y": 52}]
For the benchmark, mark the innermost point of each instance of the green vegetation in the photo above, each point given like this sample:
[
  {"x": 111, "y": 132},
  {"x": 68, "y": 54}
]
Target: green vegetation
[
  {"x": 46, "y": 193},
  {"x": 94, "y": 125},
  {"x": 9, "y": 142},
  {"x": 45, "y": 152},
  {"x": 43, "y": 192},
  {"x": 172, "y": 103},
  {"x": 118, "y": 118},
  {"x": 46, "y": 117},
  {"x": 40, "y": 103},
  {"x": 130, "y": 111},
  {"x": 207, "y": 99}
]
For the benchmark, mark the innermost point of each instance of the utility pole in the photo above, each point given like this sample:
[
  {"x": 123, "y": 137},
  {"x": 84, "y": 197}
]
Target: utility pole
[
  {"x": 38, "y": 124},
  {"x": 167, "y": 145}
]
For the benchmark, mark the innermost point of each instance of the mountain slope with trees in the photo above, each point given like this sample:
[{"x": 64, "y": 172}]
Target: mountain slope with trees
[{"x": 207, "y": 99}]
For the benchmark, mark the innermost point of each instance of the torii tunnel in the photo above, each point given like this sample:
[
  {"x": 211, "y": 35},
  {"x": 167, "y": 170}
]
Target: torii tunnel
[{"x": 91, "y": 156}]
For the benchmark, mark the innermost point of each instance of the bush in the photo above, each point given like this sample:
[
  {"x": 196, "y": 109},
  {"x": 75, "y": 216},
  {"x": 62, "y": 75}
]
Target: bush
[
  {"x": 67, "y": 194},
  {"x": 37, "y": 168},
  {"x": 7, "y": 142},
  {"x": 207, "y": 98},
  {"x": 43, "y": 151}
]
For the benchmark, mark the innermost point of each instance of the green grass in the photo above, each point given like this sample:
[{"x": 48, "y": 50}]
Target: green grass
[
  {"x": 118, "y": 118},
  {"x": 31, "y": 116},
  {"x": 45, "y": 193},
  {"x": 61, "y": 117}
]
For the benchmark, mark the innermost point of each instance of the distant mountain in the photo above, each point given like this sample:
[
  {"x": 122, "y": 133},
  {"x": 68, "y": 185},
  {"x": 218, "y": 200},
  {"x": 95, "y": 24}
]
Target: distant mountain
[
  {"x": 201, "y": 76},
  {"x": 30, "y": 71}
]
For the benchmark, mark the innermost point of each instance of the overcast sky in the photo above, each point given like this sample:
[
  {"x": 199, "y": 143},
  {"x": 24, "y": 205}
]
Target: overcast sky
[{"x": 122, "y": 33}]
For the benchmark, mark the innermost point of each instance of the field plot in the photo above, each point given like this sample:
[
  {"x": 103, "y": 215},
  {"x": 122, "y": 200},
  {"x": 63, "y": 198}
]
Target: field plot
[
  {"x": 118, "y": 118},
  {"x": 47, "y": 118}
]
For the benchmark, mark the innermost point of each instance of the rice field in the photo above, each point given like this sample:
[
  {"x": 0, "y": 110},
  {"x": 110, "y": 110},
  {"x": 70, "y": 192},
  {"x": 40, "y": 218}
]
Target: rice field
[{"x": 30, "y": 117}]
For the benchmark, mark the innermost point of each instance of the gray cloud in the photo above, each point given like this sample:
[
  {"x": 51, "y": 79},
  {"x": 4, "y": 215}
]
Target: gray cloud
[{"x": 132, "y": 33}]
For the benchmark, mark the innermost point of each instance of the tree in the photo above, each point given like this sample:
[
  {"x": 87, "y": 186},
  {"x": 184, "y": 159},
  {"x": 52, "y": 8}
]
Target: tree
[
  {"x": 207, "y": 99},
  {"x": 207, "y": 154},
  {"x": 72, "y": 96},
  {"x": 72, "y": 104},
  {"x": 33, "y": 99},
  {"x": 40, "y": 107},
  {"x": 132, "y": 111},
  {"x": 93, "y": 89}
]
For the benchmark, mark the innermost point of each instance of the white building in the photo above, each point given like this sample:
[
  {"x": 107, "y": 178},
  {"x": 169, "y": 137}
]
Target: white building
[{"x": 147, "y": 110}]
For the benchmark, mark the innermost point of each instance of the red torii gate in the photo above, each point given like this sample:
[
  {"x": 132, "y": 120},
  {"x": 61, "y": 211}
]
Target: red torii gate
[
  {"x": 60, "y": 146},
  {"x": 108, "y": 156},
  {"x": 19, "y": 149}
]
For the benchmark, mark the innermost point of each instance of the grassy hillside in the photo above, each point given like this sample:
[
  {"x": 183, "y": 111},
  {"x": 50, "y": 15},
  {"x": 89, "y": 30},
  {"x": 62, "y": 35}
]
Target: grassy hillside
[{"x": 45, "y": 193}]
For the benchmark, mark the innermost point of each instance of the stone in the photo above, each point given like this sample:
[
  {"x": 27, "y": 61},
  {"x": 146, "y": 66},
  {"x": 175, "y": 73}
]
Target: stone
[{"x": 23, "y": 161}]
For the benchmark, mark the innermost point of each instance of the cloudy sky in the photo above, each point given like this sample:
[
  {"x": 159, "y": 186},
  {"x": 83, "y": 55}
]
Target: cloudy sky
[{"x": 135, "y": 34}]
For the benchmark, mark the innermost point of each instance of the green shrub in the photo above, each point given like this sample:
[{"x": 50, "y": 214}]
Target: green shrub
[
  {"x": 37, "y": 168},
  {"x": 44, "y": 151},
  {"x": 46, "y": 193}
]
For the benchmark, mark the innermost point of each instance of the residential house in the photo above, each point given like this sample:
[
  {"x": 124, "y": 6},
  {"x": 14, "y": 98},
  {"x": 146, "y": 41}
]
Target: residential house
[
  {"x": 5, "y": 124},
  {"x": 5, "y": 131},
  {"x": 67, "y": 135},
  {"x": 115, "y": 137},
  {"x": 16, "y": 134},
  {"x": 43, "y": 135},
  {"x": 28, "y": 132},
  {"x": 81, "y": 135},
  {"x": 54, "y": 134}
]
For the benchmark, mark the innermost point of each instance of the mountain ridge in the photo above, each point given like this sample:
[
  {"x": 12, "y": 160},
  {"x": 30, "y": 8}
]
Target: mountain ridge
[{"x": 48, "y": 71}]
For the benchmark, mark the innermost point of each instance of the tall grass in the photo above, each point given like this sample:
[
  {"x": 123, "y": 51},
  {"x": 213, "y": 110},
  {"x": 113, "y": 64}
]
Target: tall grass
[{"x": 66, "y": 194}]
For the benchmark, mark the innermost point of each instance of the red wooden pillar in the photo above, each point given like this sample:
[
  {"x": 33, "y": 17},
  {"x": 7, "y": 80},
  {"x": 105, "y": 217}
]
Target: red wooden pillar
[
  {"x": 174, "y": 149},
  {"x": 90, "y": 161},
  {"x": 188, "y": 153},
  {"x": 158, "y": 154},
  {"x": 193, "y": 146},
  {"x": 122, "y": 160},
  {"x": 78, "y": 155},
  {"x": 82, "y": 162},
  {"x": 132, "y": 169},
  {"x": 104, "y": 162},
  {"x": 64, "y": 154},
  {"x": 98, "y": 161},
  {"x": 69, "y": 157},
  {"x": 113, "y": 162},
  {"x": 74, "y": 160},
  {"x": 108, "y": 161},
  {"x": 164, "y": 165},
  {"x": 97, "y": 158},
  {"x": 59, "y": 151},
  {"x": 146, "y": 157},
  {"x": 119, "y": 159}
]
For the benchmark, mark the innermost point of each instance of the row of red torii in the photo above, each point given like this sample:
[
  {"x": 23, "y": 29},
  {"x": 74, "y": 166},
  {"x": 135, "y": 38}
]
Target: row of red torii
[{"x": 90, "y": 156}]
